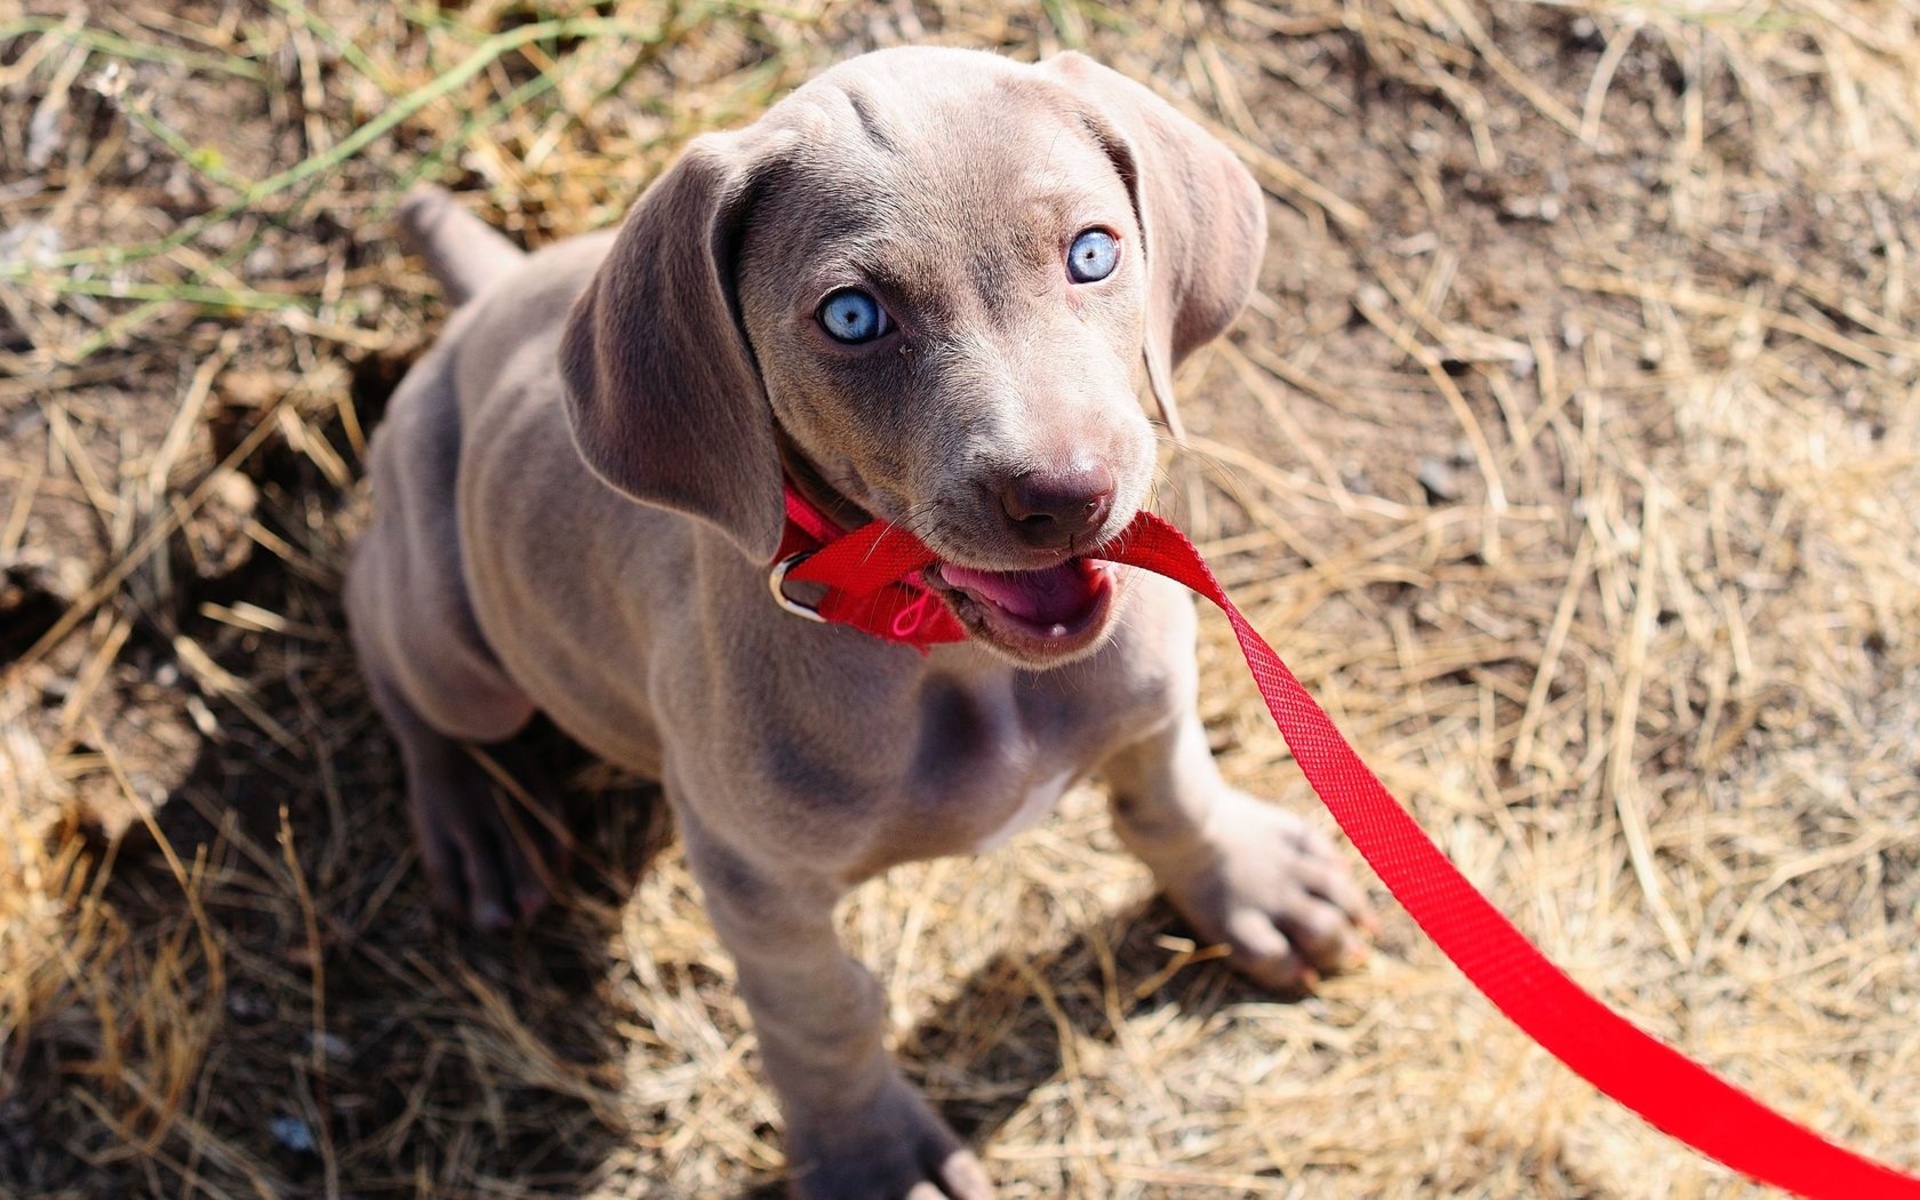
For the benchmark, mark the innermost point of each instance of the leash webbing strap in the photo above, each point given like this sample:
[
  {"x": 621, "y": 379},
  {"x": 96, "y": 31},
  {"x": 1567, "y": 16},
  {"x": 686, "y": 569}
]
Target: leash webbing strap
[{"x": 1669, "y": 1090}]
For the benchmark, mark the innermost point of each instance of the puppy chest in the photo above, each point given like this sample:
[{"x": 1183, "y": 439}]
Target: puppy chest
[{"x": 985, "y": 765}]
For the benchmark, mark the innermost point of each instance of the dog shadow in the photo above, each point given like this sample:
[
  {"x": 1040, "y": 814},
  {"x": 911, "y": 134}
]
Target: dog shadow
[
  {"x": 365, "y": 1039},
  {"x": 284, "y": 994}
]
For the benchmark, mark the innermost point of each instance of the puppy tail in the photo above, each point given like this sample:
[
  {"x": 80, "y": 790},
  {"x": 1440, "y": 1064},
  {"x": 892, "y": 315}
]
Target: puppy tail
[{"x": 463, "y": 253}]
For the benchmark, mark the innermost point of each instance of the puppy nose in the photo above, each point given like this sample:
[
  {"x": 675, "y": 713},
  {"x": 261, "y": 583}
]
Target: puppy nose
[{"x": 1052, "y": 508}]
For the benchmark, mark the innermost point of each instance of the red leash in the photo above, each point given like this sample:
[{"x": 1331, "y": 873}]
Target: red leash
[{"x": 869, "y": 574}]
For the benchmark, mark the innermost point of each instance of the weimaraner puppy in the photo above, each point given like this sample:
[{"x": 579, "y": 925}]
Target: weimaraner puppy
[{"x": 925, "y": 287}]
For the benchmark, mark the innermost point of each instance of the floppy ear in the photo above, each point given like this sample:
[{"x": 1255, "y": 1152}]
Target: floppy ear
[
  {"x": 1201, "y": 216},
  {"x": 664, "y": 397}
]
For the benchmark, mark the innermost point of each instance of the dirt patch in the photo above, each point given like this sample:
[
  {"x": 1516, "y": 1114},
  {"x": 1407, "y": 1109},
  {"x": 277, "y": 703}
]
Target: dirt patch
[{"x": 1570, "y": 452}]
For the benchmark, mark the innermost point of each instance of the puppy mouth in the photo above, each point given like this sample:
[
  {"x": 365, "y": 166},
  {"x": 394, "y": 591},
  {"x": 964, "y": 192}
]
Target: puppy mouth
[{"x": 1047, "y": 614}]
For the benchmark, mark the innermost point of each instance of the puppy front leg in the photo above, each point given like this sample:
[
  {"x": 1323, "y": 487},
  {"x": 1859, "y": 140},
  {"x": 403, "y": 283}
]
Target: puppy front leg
[
  {"x": 855, "y": 1127},
  {"x": 1243, "y": 872}
]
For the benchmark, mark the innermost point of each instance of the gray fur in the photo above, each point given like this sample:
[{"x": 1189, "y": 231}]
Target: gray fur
[{"x": 577, "y": 490}]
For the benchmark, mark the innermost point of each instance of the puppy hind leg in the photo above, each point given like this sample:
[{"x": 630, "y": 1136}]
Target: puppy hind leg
[
  {"x": 487, "y": 863},
  {"x": 430, "y": 669}
]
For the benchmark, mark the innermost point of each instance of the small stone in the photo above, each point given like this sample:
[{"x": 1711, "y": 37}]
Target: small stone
[
  {"x": 1544, "y": 209},
  {"x": 216, "y": 538},
  {"x": 248, "y": 1006},
  {"x": 33, "y": 576},
  {"x": 30, "y": 243},
  {"x": 45, "y": 132},
  {"x": 334, "y": 1046},
  {"x": 293, "y": 1134},
  {"x": 1440, "y": 481}
]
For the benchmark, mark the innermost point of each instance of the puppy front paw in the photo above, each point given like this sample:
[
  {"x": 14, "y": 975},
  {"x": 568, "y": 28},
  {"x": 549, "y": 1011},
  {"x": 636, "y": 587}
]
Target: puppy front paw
[
  {"x": 895, "y": 1148},
  {"x": 1276, "y": 891}
]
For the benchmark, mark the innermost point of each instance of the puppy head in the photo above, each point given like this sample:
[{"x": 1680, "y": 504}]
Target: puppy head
[{"x": 941, "y": 277}]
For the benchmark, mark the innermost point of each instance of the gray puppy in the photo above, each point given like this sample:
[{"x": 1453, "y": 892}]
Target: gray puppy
[{"x": 925, "y": 287}]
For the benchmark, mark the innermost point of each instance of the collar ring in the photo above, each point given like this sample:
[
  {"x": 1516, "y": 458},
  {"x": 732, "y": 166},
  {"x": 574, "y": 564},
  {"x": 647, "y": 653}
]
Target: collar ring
[{"x": 776, "y": 583}]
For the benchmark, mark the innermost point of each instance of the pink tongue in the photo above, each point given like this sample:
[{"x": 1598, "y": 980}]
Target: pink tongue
[{"x": 1050, "y": 597}]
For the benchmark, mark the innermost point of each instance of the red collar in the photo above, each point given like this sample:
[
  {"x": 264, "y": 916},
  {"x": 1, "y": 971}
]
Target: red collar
[{"x": 871, "y": 575}]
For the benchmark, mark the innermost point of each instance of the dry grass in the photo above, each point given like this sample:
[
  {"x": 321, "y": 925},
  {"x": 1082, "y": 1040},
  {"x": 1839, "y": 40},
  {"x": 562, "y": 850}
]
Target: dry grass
[{"x": 1571, "y": 453}]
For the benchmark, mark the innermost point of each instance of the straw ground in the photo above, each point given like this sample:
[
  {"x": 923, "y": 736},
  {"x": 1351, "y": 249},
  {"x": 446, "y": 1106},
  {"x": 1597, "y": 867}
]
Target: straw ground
[{"x": 1569, "y": 452}]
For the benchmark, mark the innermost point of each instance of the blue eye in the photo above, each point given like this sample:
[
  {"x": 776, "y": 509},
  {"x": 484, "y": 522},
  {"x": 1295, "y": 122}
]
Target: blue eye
[
  {"x": 850, "y": 315},
  {"x": 1093, "y": 256}
]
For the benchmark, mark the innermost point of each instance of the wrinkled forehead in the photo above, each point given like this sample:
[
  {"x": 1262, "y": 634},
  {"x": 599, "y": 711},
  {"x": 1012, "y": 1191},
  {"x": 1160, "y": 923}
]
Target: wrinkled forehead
[{"x": 982, "y": 154}]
